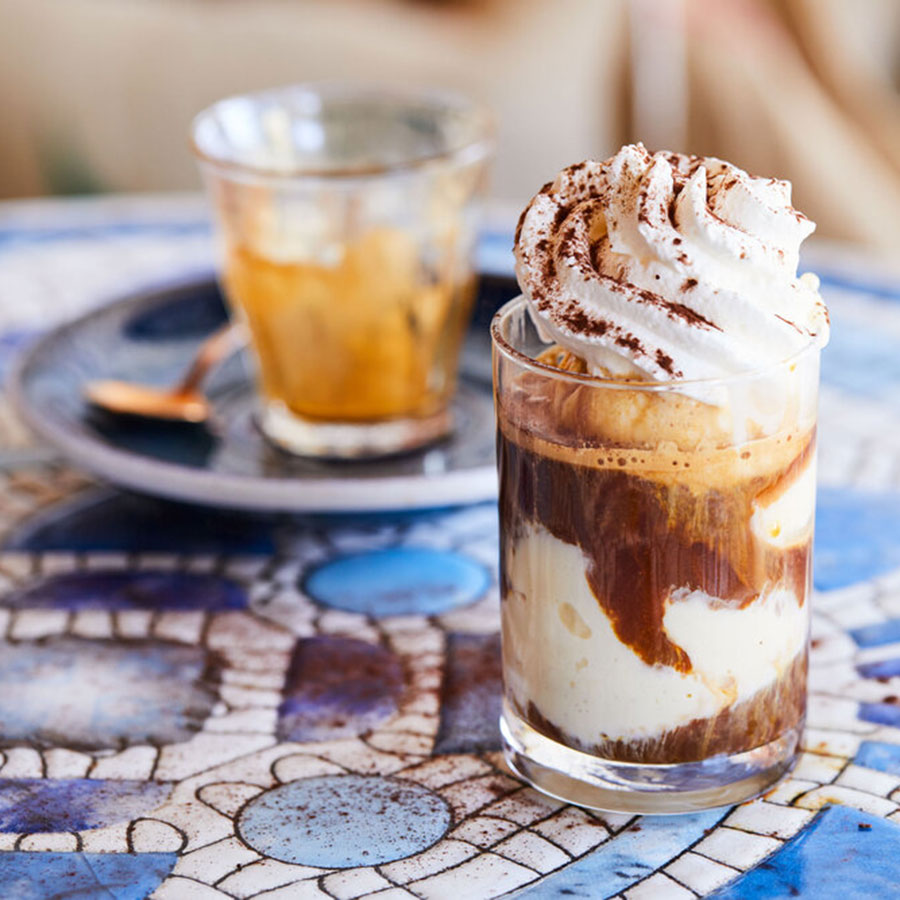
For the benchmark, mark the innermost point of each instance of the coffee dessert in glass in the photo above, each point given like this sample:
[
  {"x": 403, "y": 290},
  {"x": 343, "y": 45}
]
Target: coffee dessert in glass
[
  {"x": 656, "y": 389},
  {"x": 347, "y": 219}
]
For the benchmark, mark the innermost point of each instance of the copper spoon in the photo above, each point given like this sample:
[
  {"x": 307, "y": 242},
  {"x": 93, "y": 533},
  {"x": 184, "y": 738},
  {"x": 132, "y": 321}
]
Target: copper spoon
[{"x": 183, "y": 403}]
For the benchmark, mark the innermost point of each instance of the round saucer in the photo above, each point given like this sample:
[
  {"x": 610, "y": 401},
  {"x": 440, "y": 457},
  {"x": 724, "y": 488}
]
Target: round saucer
[{"x": 150, "y": 337}]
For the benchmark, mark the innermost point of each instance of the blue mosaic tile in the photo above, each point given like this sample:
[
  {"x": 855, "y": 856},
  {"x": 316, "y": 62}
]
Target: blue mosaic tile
[
  {"x": 862, "y": 360},
  {"x": 630, "y": 856},
  {"x": 884, "y": 668},
  {"x": 92, "y": 694},
  {"x": 878, "y": 634},
  {"x": 471, "y": 695},
  {"x": 118, "y": 590},
  {"x": 338, "y": 687},
  {"x": 841, "y": 853},
  {"x": 343, "y": 821},
  {"x": 857, "y": 536},
  {"x": 881, "y": 713},
  {"x": 120, "y": 522},
  {"x": 85, "y": 876},
  {"x": 398, "y": 581},
  {"x": 879, "y": 755},
  {"x": 30, "y": 805}
]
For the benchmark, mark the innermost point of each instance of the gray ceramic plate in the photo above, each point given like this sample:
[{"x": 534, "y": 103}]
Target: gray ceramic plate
[{"x": 151, "y": 336}]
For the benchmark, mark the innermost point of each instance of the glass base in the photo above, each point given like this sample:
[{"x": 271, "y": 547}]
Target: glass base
[
  {"x": 605, "y": 784},
  {"x": 350, "y": 440}
]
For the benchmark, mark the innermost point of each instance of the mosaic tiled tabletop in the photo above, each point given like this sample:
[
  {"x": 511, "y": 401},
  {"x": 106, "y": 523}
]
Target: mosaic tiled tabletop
[{"x": 201, "y": 704}]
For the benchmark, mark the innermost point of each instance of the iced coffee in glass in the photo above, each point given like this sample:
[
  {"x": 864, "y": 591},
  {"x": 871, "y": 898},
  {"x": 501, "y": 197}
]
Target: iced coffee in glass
[
  {"x": 348, "y": 221},
  {"x": 656, "y": 394}
]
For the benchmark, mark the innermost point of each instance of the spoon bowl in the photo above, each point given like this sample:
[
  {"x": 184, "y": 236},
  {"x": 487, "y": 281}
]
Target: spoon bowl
[
  {"x": 124, "y": 398},
  {"x": 184, "y": 402}
]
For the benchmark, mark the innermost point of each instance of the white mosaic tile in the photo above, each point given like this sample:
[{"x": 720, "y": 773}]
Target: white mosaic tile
[
  {"x": 486, "y": 875},
  {"x": 112, "y": 839},
  {"x": 837, "y": 713},
  {"x": 8, "y": 841},
  {"x": 484, "y": 618},
  {"x": 699, "y": 873},
  {"x": 845, "y": 796},
  {"x": 246, "y": 632},
  {"x": 204, "y": 751},
  {"x": 356, "y": 756},
  {"x": 33, "y": 624},
  {"x": 22, "y": 762},
  {"x": 197, "y": 821},
  {"x": 788, "y": 790},
  {"x": 20, "y": 566},
  {"x": 484, "y": 831},
  {"x": 573, "y": 830},
  {"x": 238, "y": 697},
  {"x": 177, "y": 888},
  {"x": 354, "y": 883},
  {"x": 443, "y": 770},
  {"x": 395, "y": 893},
  {"x": 92, "y": 623},
  {"x": 417, "y": 643},
  {"x": 832, "y": 648},
  {"x": 862, "y": 779},
  {"x": 303, "y": 890},
  {"x": 736, "y": 848},
  {"x": 184, "y": 627},
  {"x": 243, "y": 721},
  {"x": 401, "y": 743},
  {"x": 259, "y": 878},
  {"x": 412, "y": 724},
  {"x": 525, "y": 806},
  {"x": 104, "y": 561},
  {"x": 832, "y": 743},
  {"x": 57, "y": 563},
  {"x": 769, "y": 819},
  {"x": 468, "y": 797},
  {"x": 60, "y": 842},
  {"x": 213, "y": 862},
  {"x": 134, "y": 762},
  {"x": 532, "y": 850},
  {"x": 659, "y": 887},
  {"x": 397, "y": 624},
  {"x": 291, "y": 768},
  {"x": 441, "y": 856},
  {"x": 133, "y": 623},
  {"x": 62, "y": 763},
  {"x": 165, "y": 562},
  {"x": 153, "y": 836},
  {"x": 228, "y": 797},
  {"x": 264, "y": 681},
  {"x": 818, "y": 767}
]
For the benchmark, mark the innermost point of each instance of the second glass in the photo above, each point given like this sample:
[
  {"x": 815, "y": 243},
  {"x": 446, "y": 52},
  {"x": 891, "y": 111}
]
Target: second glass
[
  {"x": 655, "y": 559},
  {"x": 349, "y": 219}
]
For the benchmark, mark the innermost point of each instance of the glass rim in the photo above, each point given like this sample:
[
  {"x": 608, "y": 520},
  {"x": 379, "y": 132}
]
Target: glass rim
[
  {"x": 471, "y": 150},
  {"x": 502, "y": 345}
]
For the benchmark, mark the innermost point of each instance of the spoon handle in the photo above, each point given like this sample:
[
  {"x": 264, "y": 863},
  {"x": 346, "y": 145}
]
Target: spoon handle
[{"x": 219, "y": 345}]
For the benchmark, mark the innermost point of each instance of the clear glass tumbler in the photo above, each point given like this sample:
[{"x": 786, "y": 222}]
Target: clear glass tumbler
[
  {"x": 655, "y": 565},
  {"x": 348, "y": 221}
]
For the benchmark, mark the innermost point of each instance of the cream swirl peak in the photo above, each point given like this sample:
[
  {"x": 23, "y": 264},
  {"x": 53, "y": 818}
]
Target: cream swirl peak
[{"x": 668, "y": 267}]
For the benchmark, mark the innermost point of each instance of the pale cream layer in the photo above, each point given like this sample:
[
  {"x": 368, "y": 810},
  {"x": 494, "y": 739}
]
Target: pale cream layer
[{"x": 562, "y": 655}]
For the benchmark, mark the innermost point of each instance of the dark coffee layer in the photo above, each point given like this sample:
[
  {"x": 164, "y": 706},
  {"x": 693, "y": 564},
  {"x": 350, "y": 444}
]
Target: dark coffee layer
[
  {"x": 642, "y": 538},
  {"x": 752, "y": 723}
]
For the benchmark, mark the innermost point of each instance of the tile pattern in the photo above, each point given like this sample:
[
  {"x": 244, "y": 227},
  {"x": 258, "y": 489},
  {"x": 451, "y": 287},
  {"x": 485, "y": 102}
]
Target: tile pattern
[{"x": 196, "y": 735}]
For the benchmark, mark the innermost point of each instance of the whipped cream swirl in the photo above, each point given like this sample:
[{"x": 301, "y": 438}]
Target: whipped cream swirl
[{"x": 668, "y": 267}]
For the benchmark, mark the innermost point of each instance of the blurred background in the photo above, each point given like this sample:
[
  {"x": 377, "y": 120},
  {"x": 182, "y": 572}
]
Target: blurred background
[{"x": 97, "y": 95}]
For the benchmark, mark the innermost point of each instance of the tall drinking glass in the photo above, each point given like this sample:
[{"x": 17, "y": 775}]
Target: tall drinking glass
[
  {"x": 655, "y": 573},
  {"x": 348, "y": 220}
]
